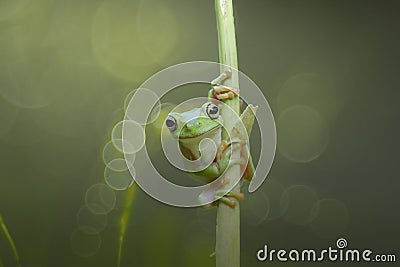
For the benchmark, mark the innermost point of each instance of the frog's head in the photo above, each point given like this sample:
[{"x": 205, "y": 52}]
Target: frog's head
[{"x": 194, "y": 123}]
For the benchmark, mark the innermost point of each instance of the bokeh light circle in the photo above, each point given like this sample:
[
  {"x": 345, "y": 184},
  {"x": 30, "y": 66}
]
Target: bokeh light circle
[
  {"x": 85, "y": 242},
  {"x": 309, "y": 89},
  {"x": 165, "y": 109},
  {"x": 128, "y": 98},
  {"x": 119, "y": 179},
  {"x": 134, "y": 131},
  {"x": 256, "y": 208},
  {"x": 131, "y": 38},
  {"x": 276, "y": 195},
  {"x": 142, "y": 106},
  {"x": 118, "y": 165},
  {"x": 110, "y": 152},
  {"x": 100, "y": 199},
  {"x": 89, "y": 222},
  {"x": 303, "y": 134},
  {"x": 157, "y": 28}
]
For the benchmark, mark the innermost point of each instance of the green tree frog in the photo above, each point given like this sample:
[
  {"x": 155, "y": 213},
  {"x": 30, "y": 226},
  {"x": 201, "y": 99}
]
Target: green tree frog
[{"x": 192, "y": 126}]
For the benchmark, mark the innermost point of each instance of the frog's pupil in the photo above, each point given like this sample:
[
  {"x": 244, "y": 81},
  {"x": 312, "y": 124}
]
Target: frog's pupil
[
  {"x": 214, "y": 110},
  {"x": 170, "y": 123}
]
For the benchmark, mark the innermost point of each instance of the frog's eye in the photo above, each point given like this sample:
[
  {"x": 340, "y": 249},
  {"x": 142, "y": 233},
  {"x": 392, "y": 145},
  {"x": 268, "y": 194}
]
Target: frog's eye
[
  {"x": 170, "y": 122},
  {"x": 212, "y": 111}
]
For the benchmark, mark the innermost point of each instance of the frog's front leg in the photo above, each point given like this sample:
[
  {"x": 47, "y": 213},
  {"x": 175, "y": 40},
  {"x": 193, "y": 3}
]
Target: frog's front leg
[{"x": 221, "y": 152}]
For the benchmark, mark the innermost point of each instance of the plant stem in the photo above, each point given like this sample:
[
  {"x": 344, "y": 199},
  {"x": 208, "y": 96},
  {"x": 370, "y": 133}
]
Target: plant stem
[
  {"x": 10, "y": 240},
  {"x": 228, "y": 219},
  {"x": 126, "y": 212}
]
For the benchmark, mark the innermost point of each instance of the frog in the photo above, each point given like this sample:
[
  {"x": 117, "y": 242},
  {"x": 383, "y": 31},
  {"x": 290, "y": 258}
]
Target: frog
[{"x": 193, "y": 126}]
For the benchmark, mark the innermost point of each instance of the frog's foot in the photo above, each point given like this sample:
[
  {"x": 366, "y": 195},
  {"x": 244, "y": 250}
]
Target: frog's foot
[
  {"x": 227, "y": 197},
  {"x": 238, "y": 196},
  {"x": 221, "y": 92},
  {"x": 230, "y": 202},
  {"x": 215, "y": 194},
  {"x": 208, "y": 197}
]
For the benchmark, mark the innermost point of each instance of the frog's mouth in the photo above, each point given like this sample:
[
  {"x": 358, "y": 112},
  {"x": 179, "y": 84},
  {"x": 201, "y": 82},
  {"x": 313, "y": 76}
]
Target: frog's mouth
[{"x": 210, "y": 132}]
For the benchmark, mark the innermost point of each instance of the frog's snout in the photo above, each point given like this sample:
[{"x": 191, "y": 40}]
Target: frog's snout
[{"x": 192, "y": 125}]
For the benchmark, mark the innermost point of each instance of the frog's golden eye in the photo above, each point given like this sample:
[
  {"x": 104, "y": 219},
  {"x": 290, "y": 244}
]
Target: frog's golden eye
[
  {"x": 212, "y": 111},
  {"x": 171, "y": 124}
]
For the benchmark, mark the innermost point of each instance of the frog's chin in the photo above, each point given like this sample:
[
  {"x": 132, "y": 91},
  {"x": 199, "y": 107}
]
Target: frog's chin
[{"x": 192, "y": 143}]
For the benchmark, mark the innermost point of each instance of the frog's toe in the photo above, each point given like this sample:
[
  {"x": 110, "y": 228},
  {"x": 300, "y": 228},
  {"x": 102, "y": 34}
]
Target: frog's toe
[
  {"x": 226, "y": 198},
  {"x": 223, "y": 96},
  {"x": 222, "y": 77},
  {"x": 238, "y": 196},
  {"x": 231, "y": 203}
]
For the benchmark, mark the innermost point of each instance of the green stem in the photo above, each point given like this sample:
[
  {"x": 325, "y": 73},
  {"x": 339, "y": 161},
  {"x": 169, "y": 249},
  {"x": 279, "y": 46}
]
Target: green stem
[
  {"x": 228, "y": 219},
  {"x": 10, "y": 240},
  {"x": 126, "y": 212}
]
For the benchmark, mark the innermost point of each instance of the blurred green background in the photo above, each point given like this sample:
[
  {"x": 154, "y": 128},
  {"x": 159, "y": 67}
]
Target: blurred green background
[{"x": 329, "y": 69}]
